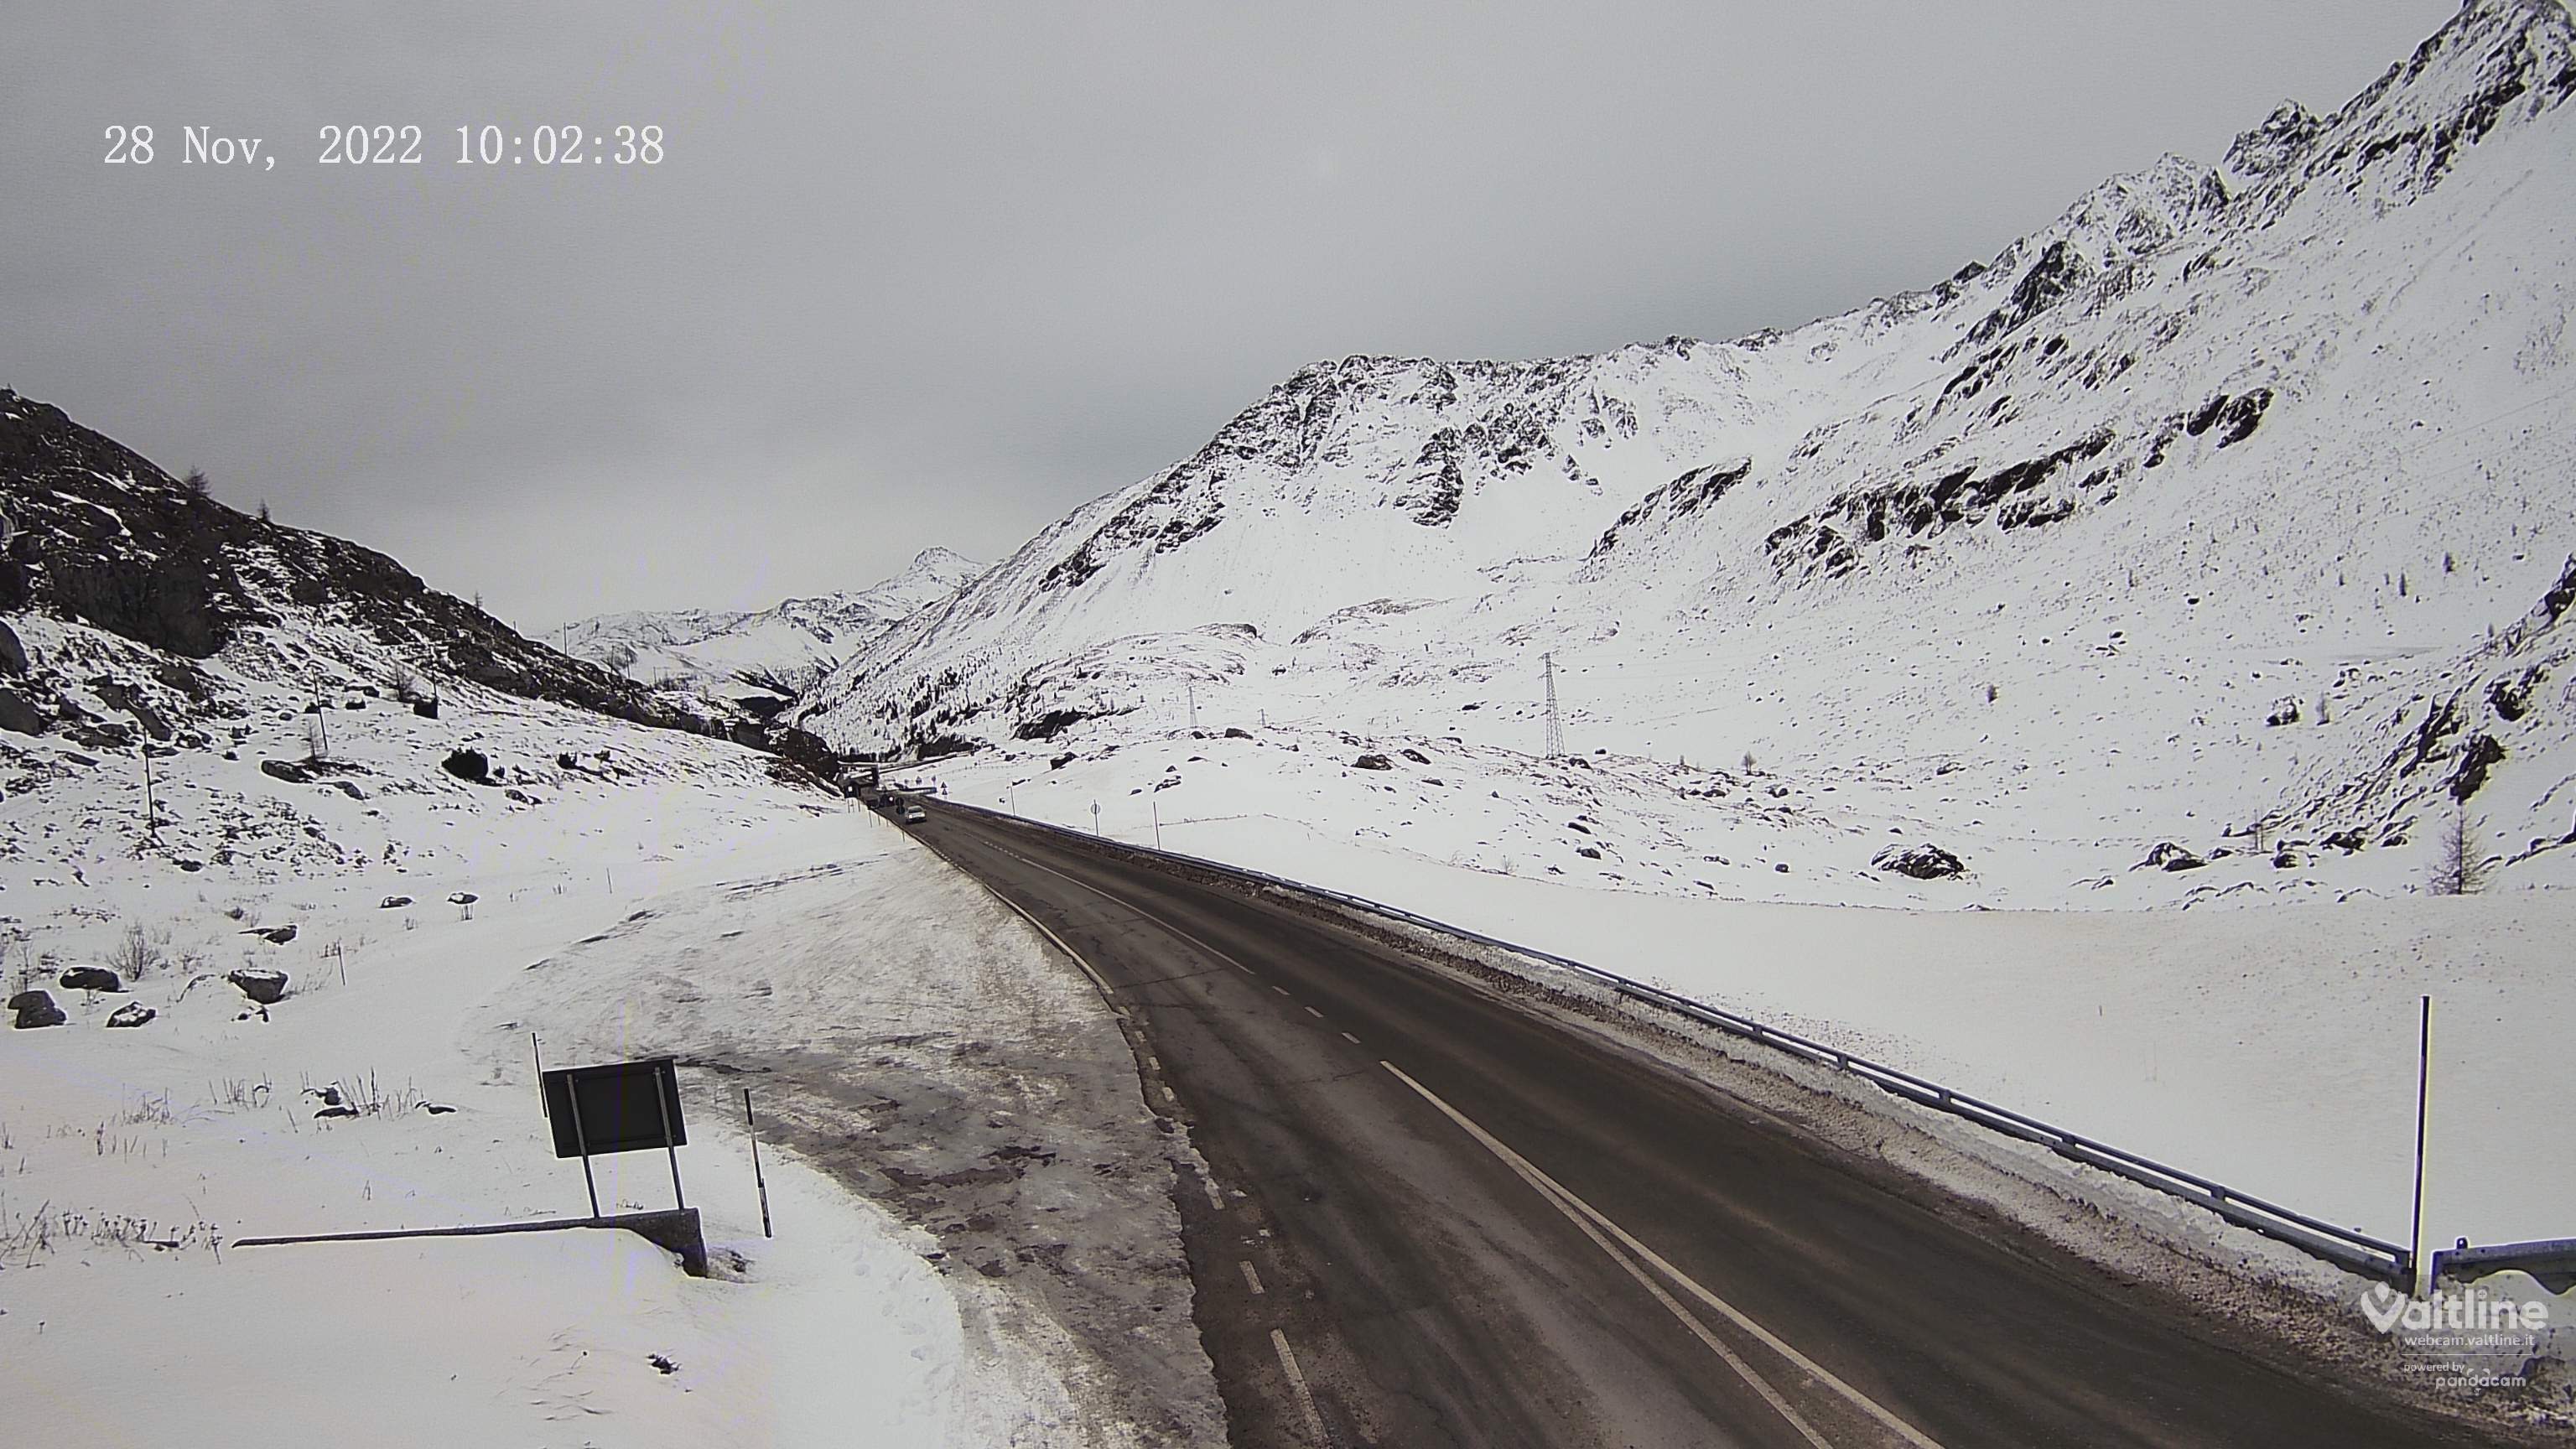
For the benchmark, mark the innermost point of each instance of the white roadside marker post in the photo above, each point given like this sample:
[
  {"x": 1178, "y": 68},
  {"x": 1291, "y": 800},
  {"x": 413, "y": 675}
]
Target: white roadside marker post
[
  {"x": 2423, "y": 1278},
  {"x": 752, "y": 1129}
]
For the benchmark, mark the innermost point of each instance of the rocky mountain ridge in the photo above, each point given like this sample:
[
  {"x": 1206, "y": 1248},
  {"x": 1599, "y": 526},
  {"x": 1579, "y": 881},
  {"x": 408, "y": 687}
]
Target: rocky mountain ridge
[{"x": 2281, "y": 425}]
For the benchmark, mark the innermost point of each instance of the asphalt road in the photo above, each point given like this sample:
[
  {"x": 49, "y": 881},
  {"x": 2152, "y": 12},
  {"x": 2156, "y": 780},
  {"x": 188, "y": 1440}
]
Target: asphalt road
[{"x": 1438, "y": 1219}]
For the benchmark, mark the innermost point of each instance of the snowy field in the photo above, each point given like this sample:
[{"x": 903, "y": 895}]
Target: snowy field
[
  {"x": 132, "y": 1158},
  {"x": 2271, "y": 1047}
]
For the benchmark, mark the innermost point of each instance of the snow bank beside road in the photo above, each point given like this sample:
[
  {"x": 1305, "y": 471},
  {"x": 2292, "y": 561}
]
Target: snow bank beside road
[
  {"x": 917, "y": 1042},
  {"x": 129, "y": 1152},
  {"x": 2271, "y": 1048}
]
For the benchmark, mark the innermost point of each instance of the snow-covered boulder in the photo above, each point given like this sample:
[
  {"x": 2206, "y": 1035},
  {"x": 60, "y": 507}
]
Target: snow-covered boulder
[
  {"x": 265, "y": 985},
  {"x": 35, "y": 1009},
  {"x": 1922, "y": 862}
]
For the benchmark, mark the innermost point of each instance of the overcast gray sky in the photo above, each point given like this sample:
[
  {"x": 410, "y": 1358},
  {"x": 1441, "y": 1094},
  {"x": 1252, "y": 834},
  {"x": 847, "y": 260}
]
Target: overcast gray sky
[{"x": 935, "y": 273}]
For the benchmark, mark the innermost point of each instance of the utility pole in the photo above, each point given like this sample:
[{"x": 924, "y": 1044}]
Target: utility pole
[
  {"x": 1555, "y": 726},
  {"x": 1191, "y": 687},
  {"x": 1158, "y": 822}
]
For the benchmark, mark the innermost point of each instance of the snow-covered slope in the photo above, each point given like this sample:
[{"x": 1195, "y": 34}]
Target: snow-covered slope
[
  {"x": 793, "y": 642},
  {"x": 2204, "y": 514}
]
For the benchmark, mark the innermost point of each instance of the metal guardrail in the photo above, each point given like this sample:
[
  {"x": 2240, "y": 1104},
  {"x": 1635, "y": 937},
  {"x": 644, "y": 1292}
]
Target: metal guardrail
[
  {"x": 2551, "y": 1260},
  {"x": 2392, "y": 1263}
]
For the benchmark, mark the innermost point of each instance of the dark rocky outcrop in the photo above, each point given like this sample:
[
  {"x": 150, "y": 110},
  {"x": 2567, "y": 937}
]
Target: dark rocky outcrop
[
  {"x": 110, "y": 540},
  {"x": 2017, "y": 495},
  {"x": 2478, "y": 756},
  {"x": 35, "y": 1009},
  {"x": 89, "y": 978},
  {"x": 1048, "y": 725},
  {"x": 1922, "y": 862},
  {"x": 19, "y": 715},
  {"x": 132, "y": 1013},
  {"x": 1372, "y": 762},
  {"x": 2169, "y": 856},
  {"x": 265, "y": 985}
]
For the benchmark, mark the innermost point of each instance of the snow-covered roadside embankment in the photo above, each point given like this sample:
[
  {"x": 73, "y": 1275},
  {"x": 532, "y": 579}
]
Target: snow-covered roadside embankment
[{"x": 125, "y": 1155}]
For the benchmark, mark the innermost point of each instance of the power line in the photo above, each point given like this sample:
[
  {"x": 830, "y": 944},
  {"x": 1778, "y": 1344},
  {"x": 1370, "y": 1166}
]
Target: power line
[{"x": 1555, "y": 726}]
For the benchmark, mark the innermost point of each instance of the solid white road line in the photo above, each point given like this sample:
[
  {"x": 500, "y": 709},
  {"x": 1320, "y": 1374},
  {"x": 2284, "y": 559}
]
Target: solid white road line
[
  {"x": 1251, "y": 1279},
  {"x": 1590, "y": 1218},
  {"x": 1128, "y": 906},
  {"x": 1107, "y": 992},
  {"x": 1297, "y": 1383}
]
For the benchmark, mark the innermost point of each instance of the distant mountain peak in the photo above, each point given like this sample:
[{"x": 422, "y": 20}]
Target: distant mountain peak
[{"x": 720, "y": 652}]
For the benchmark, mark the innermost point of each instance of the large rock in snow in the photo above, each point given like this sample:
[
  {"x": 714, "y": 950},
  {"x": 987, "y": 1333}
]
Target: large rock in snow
[
  {"x": 263, "y": 984},
  {"x": 35, "y": 1009},
  {"x": 1922, "y": 862}
]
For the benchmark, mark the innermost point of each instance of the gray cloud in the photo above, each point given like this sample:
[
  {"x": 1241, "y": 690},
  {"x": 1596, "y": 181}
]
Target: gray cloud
[{"x": 934, "y": 273}]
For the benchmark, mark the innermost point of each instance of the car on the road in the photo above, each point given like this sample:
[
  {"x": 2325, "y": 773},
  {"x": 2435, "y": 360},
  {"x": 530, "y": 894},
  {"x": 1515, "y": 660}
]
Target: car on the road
[{"x": 914, "y": 815}]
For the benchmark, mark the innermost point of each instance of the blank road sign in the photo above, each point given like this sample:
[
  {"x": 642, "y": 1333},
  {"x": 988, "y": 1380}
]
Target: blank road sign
[{"x": 622, "y": 1107}]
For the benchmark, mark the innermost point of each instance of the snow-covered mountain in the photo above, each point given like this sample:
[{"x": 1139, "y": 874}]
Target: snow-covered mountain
[
  {"x": 793, "y": 643},
  {"x": 192, "y": 693},
  {"x": 2233, "y": 499},
  {"x": 102, "y": 539}
]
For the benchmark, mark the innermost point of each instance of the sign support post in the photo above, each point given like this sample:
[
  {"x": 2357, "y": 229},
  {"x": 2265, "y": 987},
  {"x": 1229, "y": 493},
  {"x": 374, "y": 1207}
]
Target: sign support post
[
  {"x": 601, "y": 1109},
  {"x": 662, "y": 1105},
  {"x": 582, "y": 1141}
]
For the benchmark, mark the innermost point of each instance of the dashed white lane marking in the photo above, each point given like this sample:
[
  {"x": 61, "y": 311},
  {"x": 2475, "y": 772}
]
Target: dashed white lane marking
[
  {"x": 1346, "y": 1036},
  {"x": 1251, "y": 1279},
  {"x": 1153, "y": 1062},
  {"x": 1168, "y": 1095},
  {"x": 1216, "y": 1199},
  {"x": 1310, "y": 1011},
  {"x": 1602, "y": 1230},
  {"x": 1297, "y": 1385},
  {"x": 1282, "y": 990}
]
